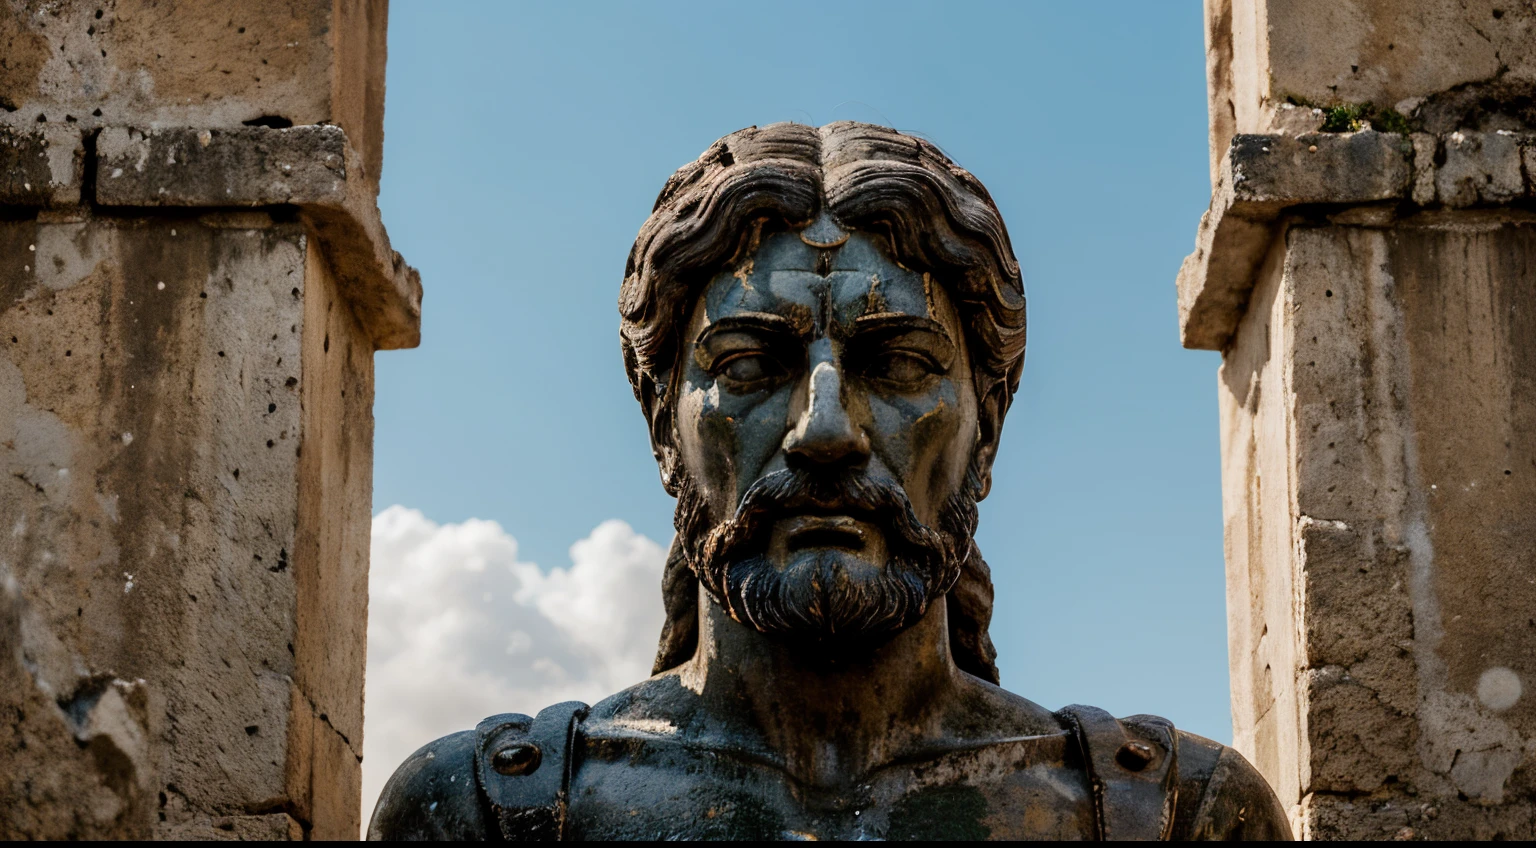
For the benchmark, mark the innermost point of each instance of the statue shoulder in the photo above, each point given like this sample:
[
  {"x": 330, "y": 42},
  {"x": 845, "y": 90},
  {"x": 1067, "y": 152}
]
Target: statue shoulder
[
  {"x": 1152, "y": 781},
  {"x": 506, "y": 778},
  {"x": 433, "y": 795},
  {"x": 1223, "y": 797}
]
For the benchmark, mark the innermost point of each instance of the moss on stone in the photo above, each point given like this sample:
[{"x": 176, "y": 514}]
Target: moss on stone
[{"x": 1352, "y": 117}]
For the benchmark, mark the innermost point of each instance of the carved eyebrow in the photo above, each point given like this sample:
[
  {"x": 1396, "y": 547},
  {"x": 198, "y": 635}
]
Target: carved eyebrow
[
  {"x": 761, "y": 321},
  {"x": 893, "y": 325},
  {"x": 898, "y": 321}
]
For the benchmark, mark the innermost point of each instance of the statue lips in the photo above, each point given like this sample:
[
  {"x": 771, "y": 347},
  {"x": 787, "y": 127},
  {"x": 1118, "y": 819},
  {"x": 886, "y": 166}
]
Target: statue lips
[
  {"x": 792, "y": 511},
  {"x": 833, "y": 514},
  {"x": 824, "y": 531}
]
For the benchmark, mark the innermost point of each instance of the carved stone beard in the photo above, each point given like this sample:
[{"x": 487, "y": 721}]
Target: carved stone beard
[{"x": 827, "y": 598}]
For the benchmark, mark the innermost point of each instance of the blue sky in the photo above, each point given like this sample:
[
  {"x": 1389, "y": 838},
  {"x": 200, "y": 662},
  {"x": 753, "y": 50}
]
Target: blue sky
[{"x": 525, "y": 144}]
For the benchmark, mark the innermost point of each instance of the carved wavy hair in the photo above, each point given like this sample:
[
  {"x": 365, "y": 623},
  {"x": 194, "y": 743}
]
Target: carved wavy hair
[{"x": 936, "y": 216}]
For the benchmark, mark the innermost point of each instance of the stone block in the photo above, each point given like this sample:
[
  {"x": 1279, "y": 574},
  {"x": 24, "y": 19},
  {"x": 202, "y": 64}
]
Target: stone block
[
  {"x": 1357, "y": 167},
  {"x": 1259, "y": 535},
  {"x": 1387, "y": 51},
  {"x": 157, "y": 423},
  {"x": 1356, "y": 743},
  {"x": 250, "y": 166},
  {"x": 312, "y": 167},
  {"x": 1442, "y": 62},
  {"x": 213, "y": 64},
  {"x": 1374, "y": 392},
  {"x": 185, "y": 413},
  {"x": 1479, "y": 168},
  {"x": 1354, "y": 601},
  {"x": 1395, "y": 356},
  {"x": 335, "y": 506},
  {"x": 1261, "y": 176},
  {"x": 1369, "y": 177},
  {"x": 41, "y": 166}
]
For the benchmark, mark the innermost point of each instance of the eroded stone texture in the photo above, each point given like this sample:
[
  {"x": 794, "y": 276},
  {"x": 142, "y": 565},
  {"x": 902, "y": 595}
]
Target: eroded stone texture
[
  {"x": 1376, "y": 406},
  {"x": 191, "y": 292},
  {"x": 1396, "y": 554},
  {"x": 251, "y": 166},
  {"x": 1352, "y": 177},
  {"x": 159, "y": 405},
  {"x": 207, "y": 64},
  {"x": 1454, "y": 64},
  {"x": 313, "y": 167},
  {"x": 41, "y": 166}
]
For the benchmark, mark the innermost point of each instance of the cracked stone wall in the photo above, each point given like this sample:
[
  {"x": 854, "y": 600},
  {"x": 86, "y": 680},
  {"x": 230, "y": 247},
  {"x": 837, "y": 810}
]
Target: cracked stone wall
[
  {"x": 1378, "y": 408},
  {"x": 189, "y": 308}
]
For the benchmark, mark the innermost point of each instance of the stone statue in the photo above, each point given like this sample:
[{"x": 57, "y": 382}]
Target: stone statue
[{"x": 824, "y": 328}]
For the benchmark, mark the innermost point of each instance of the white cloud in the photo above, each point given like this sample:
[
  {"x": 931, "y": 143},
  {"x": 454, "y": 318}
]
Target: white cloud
[{"x": 460, "y": 629}]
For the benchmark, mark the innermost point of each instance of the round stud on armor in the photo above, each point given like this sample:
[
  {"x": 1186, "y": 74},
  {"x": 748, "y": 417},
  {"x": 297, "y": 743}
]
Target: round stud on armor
[
  {"x": 1134, "y": 756},
  {"x": 515, "y": 760}
]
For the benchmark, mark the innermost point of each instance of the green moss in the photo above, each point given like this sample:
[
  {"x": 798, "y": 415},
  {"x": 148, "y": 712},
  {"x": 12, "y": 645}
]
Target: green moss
[
  {"x": 1393, "y": 121},
  {"x": 1350, "y": 117}
]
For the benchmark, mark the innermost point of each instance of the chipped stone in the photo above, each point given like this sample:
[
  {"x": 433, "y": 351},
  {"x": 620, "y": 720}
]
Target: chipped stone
[
  {"x": 250, "y": 166},
  {"x": 1479, "y": 168},
  {"x": 41, "y": 166}
]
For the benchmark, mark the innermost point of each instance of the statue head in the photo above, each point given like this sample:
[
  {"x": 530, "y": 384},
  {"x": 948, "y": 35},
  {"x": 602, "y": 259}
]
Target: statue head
[{"x": 824, "y": 328}]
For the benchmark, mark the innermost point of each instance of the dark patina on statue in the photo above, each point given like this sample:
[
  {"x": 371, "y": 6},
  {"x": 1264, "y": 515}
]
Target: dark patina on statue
[{"x": 824, "y": 328}]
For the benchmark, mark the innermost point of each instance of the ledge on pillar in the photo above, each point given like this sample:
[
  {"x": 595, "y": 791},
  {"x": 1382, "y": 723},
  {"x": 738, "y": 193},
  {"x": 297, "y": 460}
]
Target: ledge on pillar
[
  {"x": 1264, "y": 177},
  {"x": 311, "y": 167}
]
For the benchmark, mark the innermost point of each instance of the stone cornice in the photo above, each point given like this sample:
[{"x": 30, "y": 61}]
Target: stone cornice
[
  {"x": 1263, "y": 176},
  {"x": 312, "y": 168}
]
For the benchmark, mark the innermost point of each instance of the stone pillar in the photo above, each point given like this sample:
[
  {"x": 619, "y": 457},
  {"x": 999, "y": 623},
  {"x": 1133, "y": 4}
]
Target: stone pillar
[
  {"x": 1368, "y": 271},
  {"x": 193, "y": 280}
]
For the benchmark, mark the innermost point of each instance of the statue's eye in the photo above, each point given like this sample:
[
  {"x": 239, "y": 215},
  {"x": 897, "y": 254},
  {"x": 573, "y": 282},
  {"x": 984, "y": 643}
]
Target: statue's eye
[
  {"x": 749, "y": 367},
  {"x": 900, "y": 366}
]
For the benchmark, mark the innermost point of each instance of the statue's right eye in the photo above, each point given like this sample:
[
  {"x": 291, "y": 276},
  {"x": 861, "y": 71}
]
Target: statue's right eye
[{"x": 748, "y": 367}]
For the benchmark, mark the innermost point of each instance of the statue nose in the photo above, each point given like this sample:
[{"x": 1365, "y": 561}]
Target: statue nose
[{"x": 825, "y": 434}]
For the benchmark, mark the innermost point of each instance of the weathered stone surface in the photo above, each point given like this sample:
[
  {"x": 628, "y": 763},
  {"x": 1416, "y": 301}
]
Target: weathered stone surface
[
  {"x": 250, "y": 166},
  {"x": 273, "y": 827},
  {"x": 380, "y": 288},
  {"x": 1357, "y": 167},
  {"x": 1360, "y": 50},
  {"x": 1260, "y": 176},
  {"x": 1425, "y": 148},
  {"x": 212, "y": 64},
  {"x": 1263, "y": 176},
  {"x": 75, "y": 760},
  {"x": 194, "y": 280},
  {"x": 330, "y": 555},
  {"x": 1395, "y": 552},
  {"x": 1401, "y": 819},
  {"x": 153, "y": 434},
  {"x": 1376, "y": 402},
  {"x": 1262, "y": 633},
  {"x": 312, "y": 167},
  {"x": 40, "y": 166},
  {"x": 1479, "y": 168},
  {"x": 1453, "y": 65}
]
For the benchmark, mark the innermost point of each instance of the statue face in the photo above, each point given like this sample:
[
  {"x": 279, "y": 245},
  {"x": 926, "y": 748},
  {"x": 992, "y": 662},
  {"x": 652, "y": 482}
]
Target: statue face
[{"x": 825, "y": 421}]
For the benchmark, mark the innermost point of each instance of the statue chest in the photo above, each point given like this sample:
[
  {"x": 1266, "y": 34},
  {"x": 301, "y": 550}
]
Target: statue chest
[{"x": 647, "y": 789}]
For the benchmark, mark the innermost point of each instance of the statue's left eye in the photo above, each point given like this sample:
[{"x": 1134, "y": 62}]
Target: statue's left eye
[{"x": 900, "y": 366}]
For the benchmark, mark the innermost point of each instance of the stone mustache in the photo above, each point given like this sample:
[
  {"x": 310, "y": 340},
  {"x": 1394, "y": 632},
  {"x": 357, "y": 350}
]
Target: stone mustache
[{"x": 824, "y": 328}]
